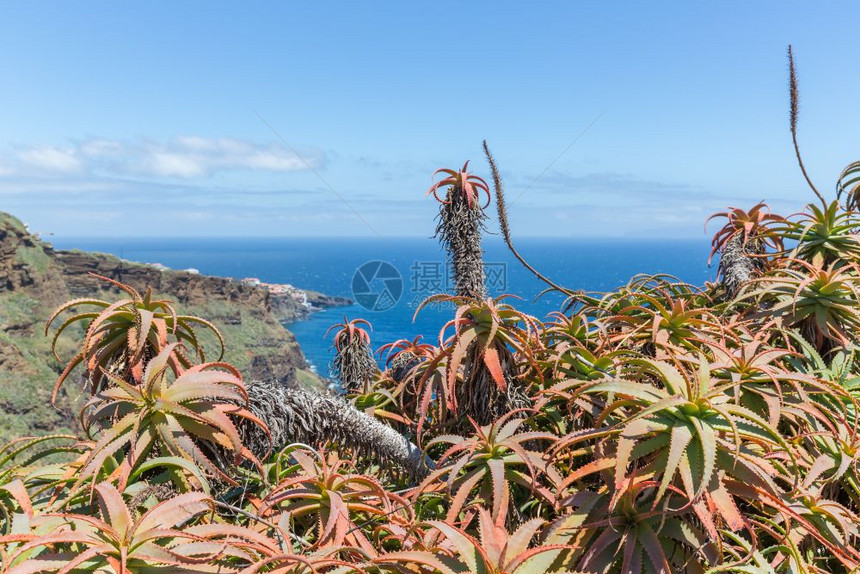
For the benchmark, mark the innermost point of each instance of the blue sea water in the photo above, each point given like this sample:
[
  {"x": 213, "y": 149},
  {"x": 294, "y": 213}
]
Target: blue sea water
[{"x": 329, "y": 266}]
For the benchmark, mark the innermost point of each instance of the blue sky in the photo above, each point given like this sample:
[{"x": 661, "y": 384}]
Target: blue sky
[{"x": 145, "y": 119}]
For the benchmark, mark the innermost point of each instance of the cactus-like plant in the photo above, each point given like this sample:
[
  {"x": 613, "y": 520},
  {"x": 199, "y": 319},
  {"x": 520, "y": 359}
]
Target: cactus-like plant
[
  {"x": 461, "y": 219},
  {"x": 353, "y": 363}
]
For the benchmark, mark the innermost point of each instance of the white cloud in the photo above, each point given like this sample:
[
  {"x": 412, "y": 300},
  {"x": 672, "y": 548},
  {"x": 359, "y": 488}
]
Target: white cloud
[
  {"x": 52, "y": 159},
  {"x": 174, "y": 164},
  {"x": 275, "y": 162},
  {"x": 188, "y": 157},
  {"x": 184, "y": 157}
]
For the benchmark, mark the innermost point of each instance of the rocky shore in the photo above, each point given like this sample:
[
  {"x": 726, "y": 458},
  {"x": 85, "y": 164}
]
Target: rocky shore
[{"x": 285, "y": 302}]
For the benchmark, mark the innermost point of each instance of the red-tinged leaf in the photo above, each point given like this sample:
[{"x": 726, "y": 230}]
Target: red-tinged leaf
[
  {"x": 108, "y": 444},
  {"x": 627, "y": 388},
  {"x": 632, "y": 433},
  {"x": 491, "y": 360},
  {"x": 500, "y": 487},
  {"x": 653, "y": 549},
  {"x": 209, "y": 325},
  {"x": 146, "y": 318},
  {"x": 213, "y": 530},
  {"x": 413, "y": 557},
  {"x": 708, "y": 442},
  {"x": 463, "y": 341},
  {"x": 76, "y": 360},
  {"x": 63, "y": 326},
  {"x": 156, "y": 366},
  {"x": 520, "y": 539},
  {"x": 632, "y": 553},
  {"x": 104, "y": 316},
  {"x": 184, "y": 390},
  {"x": 725, "y": 504},
  {"x": 468, "y": 549},
  {"x": 80, "y": 559},
  {"x": 180, "y": 444},
  {"x": 592, "y": 467},
  {"x": 113, "y": 509},
  {"x": 19, "y": 492},
  {"x": 70, "y": 304},
  {"x": 459, "y": 500},
  {"x": 607, "y": 538},
  {"x": 121, "y": 286},
  {"x": 336, "y": 521},
  {"x": 681, "y": 436},
  {"x": 175, "y": 511}
]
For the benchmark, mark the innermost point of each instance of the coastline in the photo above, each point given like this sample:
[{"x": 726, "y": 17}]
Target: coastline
[{"x": 35, "y": 279}]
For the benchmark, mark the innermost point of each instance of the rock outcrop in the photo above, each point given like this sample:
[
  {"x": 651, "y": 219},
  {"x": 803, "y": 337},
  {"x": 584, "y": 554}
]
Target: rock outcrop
[{"x": 35, "y": 279}]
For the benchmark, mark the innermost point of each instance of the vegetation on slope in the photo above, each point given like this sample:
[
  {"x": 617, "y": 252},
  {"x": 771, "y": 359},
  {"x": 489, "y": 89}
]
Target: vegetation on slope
[{"x": 35, "y": 279}]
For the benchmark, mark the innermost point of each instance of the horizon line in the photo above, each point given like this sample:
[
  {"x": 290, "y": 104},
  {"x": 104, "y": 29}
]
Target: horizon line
[{"x": 493, "y": 238}]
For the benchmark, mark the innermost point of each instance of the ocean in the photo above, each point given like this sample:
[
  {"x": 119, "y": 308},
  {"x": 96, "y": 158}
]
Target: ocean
[{"x": 370, "y": 271}]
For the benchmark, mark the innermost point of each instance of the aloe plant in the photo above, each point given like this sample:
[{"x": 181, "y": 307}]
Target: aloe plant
[
  {"x": 848, "y": 184},
  {"x": 755, "y": 225},
  {"x": 743, "y": 243},
  {"x": 634, "y": 532},
  {"x": 485, "y": 337},
  {"x": 116, "y": 541},
  {"x": 488, "y": 464},
  {"x": 821, "y": 300},
  {"x": 353, "y": 363},
  {"x": 493, "y": 550},
  {"x": 122, "y": 336},
  {"x": 191, "y": 417},
  {"x": 404, "y": 355},
  {"x": 826, "y": 233},
  {"x": 687, "y": 432},
  {"x": 461, "y": 219},
  {"x": 327, "y": 493}
]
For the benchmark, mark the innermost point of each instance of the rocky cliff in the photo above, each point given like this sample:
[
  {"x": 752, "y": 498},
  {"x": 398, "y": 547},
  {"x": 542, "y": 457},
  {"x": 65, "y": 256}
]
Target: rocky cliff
[{"x": 35, "y": 279}]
